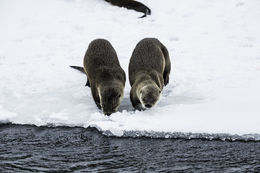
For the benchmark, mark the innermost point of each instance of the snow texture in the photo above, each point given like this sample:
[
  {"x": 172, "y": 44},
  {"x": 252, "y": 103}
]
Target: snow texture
[{"x": 214, "y": 47}]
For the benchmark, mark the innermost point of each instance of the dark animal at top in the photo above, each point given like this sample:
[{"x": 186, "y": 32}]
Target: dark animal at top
[{"x": 131, "y": 4}]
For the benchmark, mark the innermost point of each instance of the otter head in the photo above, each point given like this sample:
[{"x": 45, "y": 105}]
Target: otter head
[
  {"x": 110, "y": 98},
  {"x": 149, "y": 95}
]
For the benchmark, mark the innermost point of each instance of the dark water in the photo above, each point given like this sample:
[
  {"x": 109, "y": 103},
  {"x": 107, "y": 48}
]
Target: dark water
[{"x": 64, "y": 149}]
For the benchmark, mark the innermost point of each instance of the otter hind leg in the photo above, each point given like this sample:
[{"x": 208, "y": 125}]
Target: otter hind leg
[
  {"x": 166, "y": 77},
  {"x": 167, "y": 68},
  {"x": 87, "y": 84}
]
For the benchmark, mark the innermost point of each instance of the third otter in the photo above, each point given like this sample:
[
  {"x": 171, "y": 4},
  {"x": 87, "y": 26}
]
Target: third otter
[
  {"x": 105, "y": 76},
  {"x": 131, "y": 4},
  {"x": 149, "y": 70}
]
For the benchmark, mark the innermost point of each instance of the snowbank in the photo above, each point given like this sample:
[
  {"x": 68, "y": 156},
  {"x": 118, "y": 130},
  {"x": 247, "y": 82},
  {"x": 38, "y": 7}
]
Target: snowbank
[{"x": 214, "y": 48}]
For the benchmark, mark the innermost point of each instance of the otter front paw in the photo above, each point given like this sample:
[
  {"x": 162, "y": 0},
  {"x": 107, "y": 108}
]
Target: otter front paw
[
  {"x": 139, "y": 107},
  {"x": 98, "y": 105}
]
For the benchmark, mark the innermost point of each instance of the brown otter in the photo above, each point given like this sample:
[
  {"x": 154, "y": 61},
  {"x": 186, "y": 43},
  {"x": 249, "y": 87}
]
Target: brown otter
[
  {"x": 105, "y": 76},
  {"x": 149, "y": 70}
]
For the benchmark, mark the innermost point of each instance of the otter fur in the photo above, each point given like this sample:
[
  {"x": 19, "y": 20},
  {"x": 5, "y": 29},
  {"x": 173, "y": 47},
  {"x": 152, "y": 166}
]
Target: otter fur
[
  {"x": 149, "y": 70},
  {"x": 131, "y": 4},
  {"x": 105, "y": 76}
]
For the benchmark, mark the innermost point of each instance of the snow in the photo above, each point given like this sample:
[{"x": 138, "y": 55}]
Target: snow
[{"x": 214, "y": 47}]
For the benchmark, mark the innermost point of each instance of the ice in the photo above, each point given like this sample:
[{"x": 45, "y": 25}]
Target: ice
[{"x": 214, "y": 47}]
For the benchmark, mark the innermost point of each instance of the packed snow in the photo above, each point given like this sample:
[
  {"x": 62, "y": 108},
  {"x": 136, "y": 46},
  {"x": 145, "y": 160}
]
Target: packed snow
[{"x": 214, "y": 47}]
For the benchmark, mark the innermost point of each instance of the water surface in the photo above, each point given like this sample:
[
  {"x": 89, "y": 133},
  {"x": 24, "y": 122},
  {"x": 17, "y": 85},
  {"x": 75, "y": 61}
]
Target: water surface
[{"x": 26, "y": 148}]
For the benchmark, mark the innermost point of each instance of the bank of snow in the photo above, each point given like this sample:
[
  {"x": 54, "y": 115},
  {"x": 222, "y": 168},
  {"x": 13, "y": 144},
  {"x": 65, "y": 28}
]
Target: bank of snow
[{"x": 214, "y": 48}]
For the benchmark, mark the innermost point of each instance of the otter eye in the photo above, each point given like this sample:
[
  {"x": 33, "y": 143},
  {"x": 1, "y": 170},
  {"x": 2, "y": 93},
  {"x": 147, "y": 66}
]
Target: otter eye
[{"x": 160, "y": 92}]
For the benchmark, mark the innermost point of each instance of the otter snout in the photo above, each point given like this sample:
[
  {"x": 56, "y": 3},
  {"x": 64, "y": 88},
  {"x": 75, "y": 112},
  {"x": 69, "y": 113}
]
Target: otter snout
[
  {"x": 109, "y": 111},
  {"x": 149, "y": 101},
  {"x": 148, "y": 105},
  {"x": 110, "y": 98}
]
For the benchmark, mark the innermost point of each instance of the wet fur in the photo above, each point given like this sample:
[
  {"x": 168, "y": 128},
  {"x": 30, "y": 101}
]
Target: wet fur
[
  {"x": 131, "y": 4},
  {"x": 149, "y": 70},
  {"x": 106, "y": 78}
]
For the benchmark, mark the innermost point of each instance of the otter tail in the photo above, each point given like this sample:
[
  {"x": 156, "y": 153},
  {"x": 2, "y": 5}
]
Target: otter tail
[
  {"x": 81, "y": 69},
  {"x": 147, "y": 12},
  {"x": 133, "y": 5}
]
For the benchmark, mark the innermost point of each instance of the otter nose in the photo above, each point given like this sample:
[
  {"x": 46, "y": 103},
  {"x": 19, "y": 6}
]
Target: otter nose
[
  {"x": 108, "y": 113},
  {"x": 148, "y": 105}
]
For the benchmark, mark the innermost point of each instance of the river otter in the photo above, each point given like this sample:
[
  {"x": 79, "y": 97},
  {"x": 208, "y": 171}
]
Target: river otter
[
  {"x": 131, "y": 4},
  {"x": 105, "y": 76},
  {"x": 149, "y": 70}
]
